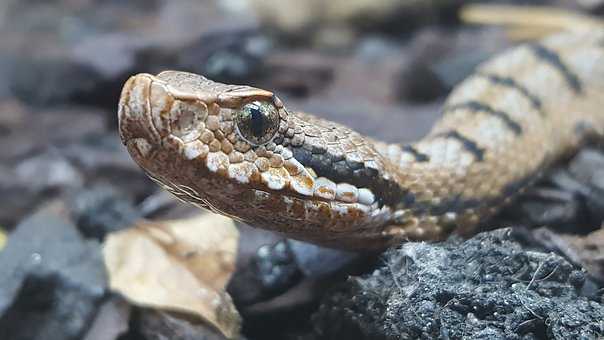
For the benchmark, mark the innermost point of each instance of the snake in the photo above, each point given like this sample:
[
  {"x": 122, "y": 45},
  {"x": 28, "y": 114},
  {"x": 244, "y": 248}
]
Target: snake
[{"x": 239, "y": 151}]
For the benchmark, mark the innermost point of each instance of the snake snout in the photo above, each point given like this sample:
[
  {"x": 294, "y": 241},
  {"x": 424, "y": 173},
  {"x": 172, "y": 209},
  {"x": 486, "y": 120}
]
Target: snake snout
[{"x": 134, "y": 116}]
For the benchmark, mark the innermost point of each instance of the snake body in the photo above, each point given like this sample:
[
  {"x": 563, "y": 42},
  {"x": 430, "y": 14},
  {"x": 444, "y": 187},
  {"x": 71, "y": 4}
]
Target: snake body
[{"x": 239, "y": 151}]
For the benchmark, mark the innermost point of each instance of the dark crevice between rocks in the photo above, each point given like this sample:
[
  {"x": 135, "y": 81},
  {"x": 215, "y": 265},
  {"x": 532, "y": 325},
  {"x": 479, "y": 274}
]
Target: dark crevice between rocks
[
  {"x": 48, "y": 308},
  {"x": 568, "y": 199}
]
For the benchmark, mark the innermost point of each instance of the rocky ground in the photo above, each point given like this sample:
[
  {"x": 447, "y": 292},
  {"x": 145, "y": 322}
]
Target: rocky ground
[{"x": 66, "y": 182}]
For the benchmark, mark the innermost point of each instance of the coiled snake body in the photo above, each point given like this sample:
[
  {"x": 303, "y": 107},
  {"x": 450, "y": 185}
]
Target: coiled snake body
[{"x": 238, "y": 151}]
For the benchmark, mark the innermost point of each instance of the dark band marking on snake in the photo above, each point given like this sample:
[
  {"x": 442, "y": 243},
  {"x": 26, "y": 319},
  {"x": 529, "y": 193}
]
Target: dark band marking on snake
[
  {"x": 552, "y": 58},
  {"x": 513, "y": 84},
  {"x": 476, "y": 106},
  {"x": 420, "y": 157},
  {"x": 468, "y": 144}
]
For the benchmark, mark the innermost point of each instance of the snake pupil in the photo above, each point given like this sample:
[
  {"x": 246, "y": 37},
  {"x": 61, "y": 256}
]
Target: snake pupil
[{"x": 257, "y": 122}]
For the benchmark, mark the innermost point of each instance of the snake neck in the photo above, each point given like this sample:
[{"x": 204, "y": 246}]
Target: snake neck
[{"x": 500, "y": 129}]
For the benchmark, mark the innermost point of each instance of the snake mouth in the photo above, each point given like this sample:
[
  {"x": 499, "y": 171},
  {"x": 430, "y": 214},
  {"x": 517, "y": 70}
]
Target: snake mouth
[{"x": 281, "y": 174}]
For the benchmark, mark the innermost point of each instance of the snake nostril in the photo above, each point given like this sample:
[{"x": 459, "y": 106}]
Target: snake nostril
[{"x": 188, "y": 120}]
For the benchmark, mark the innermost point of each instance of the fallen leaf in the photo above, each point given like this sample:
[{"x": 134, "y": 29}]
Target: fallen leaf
[
  {"x": 180, "y": 265},
  {"x": 2, "y": 238}
]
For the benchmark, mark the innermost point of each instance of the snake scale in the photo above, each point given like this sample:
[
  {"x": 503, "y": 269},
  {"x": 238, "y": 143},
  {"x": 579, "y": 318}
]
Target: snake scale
[{"x": 239, "y": 151}]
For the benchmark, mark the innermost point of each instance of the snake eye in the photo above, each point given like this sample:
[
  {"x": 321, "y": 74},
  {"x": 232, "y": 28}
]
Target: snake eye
[{"x": 257, "y": 122}]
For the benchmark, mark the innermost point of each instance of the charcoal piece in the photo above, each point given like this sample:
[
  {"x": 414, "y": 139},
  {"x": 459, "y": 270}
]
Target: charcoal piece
[
  {"x": 101, "y": 210},
  {"x": 486, "y": 287}
]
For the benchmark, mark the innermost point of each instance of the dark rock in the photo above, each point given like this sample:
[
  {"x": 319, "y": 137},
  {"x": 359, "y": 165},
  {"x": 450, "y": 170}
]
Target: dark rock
[
  {"x": 111, "y": 55},
  {"x": 52, "y": 279},
  {"x": 264, "y": 273},
  {"x": 419, "y": 83},
  {"x": 17, "y": 201},
  {"x": 594, "y": 6},
  {"x": 570, "y": 198},
  {"x": 49, "y": 81},
  {"x": 28, "y": 131},
  {"x": 233, "y": 56},
  {"x": 48, "y": 308},
  {"x": 245, "y": 287},
  {"x": 273, "y": 271},
  {"x": 64, "y": 167},
  {"x": 441, "y": 59},
  {"x": 111, "y": 321},
  {"x": 405, "y": 123},
  {"x": 156, "y": 325},
  {"x": 276, "y": 267},
  {"x": 548, "y": 206},
  {"x": 98, "y": 152},
  {"x": 6, "y": 65},
  {"x": 101, "y": 209},
  {"x": 588, "y": 166},
  {"x": 163, "y": 205},
  {"x": 584, "y": 250},
  {"x": 416, "y": 81},
  {"x": 47, "y": 171},
  {"x": 456, "y": 68},
  {"x": 283, "y": 308},
  {"x": 298, "y": 74},
  {"x": 315, "y": 261},
  {"x": 485, "y": 287},
  {"x": 62, "y": 52}
]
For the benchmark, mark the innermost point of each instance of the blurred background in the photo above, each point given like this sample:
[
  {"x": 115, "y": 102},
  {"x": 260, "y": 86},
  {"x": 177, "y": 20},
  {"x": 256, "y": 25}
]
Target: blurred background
[{"x": 66, "y": 182}]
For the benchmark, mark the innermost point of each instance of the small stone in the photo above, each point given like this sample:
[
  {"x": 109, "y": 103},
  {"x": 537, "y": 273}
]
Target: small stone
[
  {"x": 100, "y": 210},
  {"x": 52, "y": 279}
]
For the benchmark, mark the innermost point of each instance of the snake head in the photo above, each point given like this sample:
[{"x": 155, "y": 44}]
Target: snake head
[
  {"x": 235, "y": 130},
  {"x": 238, "y": 151}
]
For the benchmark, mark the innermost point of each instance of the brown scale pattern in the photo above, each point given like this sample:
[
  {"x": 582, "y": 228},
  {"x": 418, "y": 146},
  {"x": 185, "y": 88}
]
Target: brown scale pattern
[{"x": 322, "y": 182}]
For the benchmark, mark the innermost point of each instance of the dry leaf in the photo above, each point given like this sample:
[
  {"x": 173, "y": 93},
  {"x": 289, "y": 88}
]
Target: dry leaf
[
  {"x": 3, "y": 238},
  {"x": 181, "y": 265}
]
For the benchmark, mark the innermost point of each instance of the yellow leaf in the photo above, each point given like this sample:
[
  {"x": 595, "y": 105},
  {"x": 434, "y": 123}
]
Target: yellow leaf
[{"x": 181, "y": 265}]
